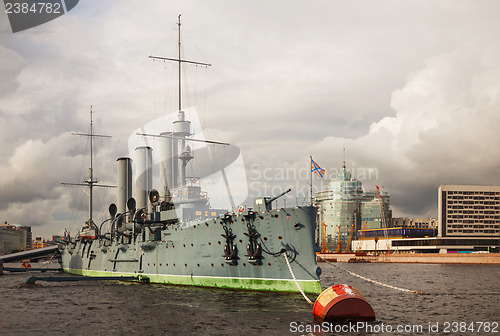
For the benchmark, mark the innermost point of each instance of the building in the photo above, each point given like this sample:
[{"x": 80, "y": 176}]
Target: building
[
  {"x": 9, "y": 239},
  {"x": 39, "y": 243},
  {"x": 418, "y": 223},
  {"x": 344, "y": 206},
  {"x": 468, "y": 222},
  {"x": 468, "y": 211},
  {"x": 385, "y": 240},
  {"x": 14, "y": 238}
]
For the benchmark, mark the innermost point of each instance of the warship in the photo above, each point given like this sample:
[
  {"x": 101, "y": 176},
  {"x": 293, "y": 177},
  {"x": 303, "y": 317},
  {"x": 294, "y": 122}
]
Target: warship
[{"x": 177, "y": 237}]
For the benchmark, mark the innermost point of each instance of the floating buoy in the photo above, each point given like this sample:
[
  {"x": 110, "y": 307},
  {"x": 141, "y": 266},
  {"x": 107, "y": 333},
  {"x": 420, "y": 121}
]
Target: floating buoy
[{"x": 341, "y": 304}]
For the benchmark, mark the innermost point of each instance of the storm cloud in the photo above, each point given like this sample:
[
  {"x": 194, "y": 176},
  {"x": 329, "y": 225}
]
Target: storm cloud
[{"x": 409, "y": 88}]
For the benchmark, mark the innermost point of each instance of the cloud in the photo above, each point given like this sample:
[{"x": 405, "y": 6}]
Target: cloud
[
  {"x": 444, "y": 131},
  {"x": 33, "y": 168},
  {"x": 394, "y": 82},
  {"x": 10, "y": 67}
]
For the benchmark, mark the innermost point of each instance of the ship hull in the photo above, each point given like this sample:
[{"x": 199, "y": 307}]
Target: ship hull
[{"x": 195, "y": 255}]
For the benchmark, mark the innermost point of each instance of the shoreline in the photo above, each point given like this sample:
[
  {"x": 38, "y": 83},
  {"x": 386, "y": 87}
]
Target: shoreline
[{"x": 414, "y": 258}]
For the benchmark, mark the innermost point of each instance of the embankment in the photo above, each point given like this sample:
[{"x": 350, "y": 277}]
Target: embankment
[{"x": 426, "y": 258}]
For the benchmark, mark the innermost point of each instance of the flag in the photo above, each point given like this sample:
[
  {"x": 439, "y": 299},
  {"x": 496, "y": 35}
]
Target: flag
[{"x": 315, "y": 168}]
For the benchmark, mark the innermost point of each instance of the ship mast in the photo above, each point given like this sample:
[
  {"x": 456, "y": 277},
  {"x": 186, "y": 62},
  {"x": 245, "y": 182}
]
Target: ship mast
[
  {"x": 181, "y": 126},
  {"x": 179, "y": 60},
  {"x": 91, "y": 180},
  {"x": 91, "y": 183}
]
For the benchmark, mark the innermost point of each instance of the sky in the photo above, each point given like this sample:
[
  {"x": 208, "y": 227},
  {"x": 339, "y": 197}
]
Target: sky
[{"x": 409, "y": 88}]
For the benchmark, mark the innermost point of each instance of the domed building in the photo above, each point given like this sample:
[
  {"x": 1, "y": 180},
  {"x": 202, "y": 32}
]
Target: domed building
[{"x": 344, "y": 205}]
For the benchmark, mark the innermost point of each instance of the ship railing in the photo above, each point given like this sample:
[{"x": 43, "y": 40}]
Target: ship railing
[{"x": 193, "y": 181}]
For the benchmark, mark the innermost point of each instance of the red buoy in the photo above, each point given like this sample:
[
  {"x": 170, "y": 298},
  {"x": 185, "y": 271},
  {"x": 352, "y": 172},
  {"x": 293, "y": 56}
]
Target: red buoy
[{"x": 341, "y": 304}]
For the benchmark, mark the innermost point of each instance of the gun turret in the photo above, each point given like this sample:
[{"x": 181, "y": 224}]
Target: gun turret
[{"x": 264, "y": 203}]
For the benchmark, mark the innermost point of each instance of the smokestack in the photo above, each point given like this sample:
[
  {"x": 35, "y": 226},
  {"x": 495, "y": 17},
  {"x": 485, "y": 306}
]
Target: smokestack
[
  {"x": 124, "y": 183},
  {"x": 144, "y": 175}
]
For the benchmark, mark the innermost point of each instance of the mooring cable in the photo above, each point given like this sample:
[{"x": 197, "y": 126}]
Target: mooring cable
[
  {"x": 295, "y": 279},
  {"x": 373, "y": 281}
]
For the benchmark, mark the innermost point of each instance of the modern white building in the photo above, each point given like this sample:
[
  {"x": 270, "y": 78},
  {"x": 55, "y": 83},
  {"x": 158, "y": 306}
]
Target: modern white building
[{"x": 468, "y": 211}]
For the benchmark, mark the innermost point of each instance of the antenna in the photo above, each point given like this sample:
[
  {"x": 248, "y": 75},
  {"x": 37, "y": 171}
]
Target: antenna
[{"x": 343, "y": 166}]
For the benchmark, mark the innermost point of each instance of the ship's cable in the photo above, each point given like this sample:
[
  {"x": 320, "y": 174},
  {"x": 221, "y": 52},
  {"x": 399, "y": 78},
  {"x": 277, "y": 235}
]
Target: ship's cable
[
  {"x": 372, "y": 281},
  {"x": 295, "y": 279}
]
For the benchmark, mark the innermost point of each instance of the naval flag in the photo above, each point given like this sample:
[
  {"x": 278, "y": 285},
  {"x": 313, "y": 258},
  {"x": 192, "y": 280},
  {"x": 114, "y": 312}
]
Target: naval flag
[{"x": 315, "y": 168}]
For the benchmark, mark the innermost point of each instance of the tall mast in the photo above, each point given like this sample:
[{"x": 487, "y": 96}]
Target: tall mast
[
  {"x": 91, "y": 176},
  {"x": 91, "y": 183},
  {"x": 311, "y": 175},
  {"x": 179, "y": 59}
]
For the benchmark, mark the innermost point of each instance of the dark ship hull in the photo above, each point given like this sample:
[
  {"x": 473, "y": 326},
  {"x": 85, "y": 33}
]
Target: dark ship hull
[{"x": 198, "y": 255}]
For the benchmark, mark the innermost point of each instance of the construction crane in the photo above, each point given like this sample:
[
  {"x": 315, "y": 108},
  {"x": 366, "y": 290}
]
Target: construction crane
[
  {"x": 339, "y": 244},
  {"x": 324, "y": 248},
  {"x": 348, "y": 246},
  {"x": 383, "y": 219},
  {"x": 362, "y": 237}
]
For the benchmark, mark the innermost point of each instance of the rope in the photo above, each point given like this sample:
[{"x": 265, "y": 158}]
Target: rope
[
  {"x": 373, "y": 281},
  {"x": 48, "y": 262},
  {"x": 295, "y": 279}
]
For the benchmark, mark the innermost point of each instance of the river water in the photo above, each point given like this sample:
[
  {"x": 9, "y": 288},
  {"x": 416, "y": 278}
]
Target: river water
[{"x": 460, "y": 300}]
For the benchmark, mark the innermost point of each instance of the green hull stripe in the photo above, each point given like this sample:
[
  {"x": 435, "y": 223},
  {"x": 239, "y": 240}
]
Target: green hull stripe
[{"x": 274, "y": 285}]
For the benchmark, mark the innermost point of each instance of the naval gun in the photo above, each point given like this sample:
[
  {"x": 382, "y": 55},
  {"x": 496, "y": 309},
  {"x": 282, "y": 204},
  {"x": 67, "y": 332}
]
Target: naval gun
[{"x": 264, "y": 203}]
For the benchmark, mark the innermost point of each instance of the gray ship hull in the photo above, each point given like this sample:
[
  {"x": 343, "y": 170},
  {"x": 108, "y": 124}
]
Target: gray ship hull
[{"x": 196, "y": 255}]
